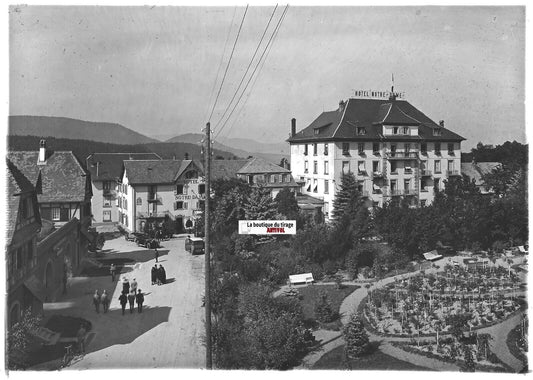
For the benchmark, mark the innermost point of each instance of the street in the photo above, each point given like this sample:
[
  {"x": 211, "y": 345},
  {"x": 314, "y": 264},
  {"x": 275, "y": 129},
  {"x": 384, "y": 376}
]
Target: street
[{"x": 168, "y": 333}]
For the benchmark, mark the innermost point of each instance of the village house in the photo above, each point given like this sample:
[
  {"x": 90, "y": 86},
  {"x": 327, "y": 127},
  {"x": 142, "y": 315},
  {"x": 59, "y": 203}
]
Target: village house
[
  {"x": 105, "y": 170},
  {"x": 64, "y": 201},
  {"x": 256, "y": 172},
  {"x": 153, "y": 190},
  {"x": 392, "y": 148}
]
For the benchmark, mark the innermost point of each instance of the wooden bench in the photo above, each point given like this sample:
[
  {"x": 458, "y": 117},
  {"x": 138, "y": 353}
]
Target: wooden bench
[{"x": 301, "y": 278}]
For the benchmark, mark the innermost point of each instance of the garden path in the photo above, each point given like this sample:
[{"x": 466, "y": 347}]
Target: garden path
[{"x": 351, "y": 303}]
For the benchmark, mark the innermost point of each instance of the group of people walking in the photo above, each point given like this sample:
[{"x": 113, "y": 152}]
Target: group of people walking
[
  {"x": 159, "y": 276},
  {"x": 101, "y": 299},
  {"x": 130, "y": 294}
]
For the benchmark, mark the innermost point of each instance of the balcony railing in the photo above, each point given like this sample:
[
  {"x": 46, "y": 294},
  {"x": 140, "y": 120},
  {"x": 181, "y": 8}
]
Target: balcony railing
[
  {"x": 401, "y": 155},
  {"x": 452, "y": 173},
  {"x": 408, "y": 171},
  {"x": 397, "y": 193},
  {"x": 362, "y": 173},
  {"x": 377, "y": 174},
  {"x": 426, "y": 173}
]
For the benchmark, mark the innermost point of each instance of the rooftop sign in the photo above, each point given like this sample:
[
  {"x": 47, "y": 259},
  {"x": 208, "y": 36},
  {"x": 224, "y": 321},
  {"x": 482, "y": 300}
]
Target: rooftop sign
[{"x": 372, "y": 94}]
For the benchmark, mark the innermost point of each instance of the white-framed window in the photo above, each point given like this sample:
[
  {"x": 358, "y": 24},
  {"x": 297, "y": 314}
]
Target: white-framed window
[
  {"x": 437, "y": 166},
  {"x": 361, "y": 167},
  {"x": 107, "y": 216},
  {"x": 306, "y": 166},
  {"x": 361, "y": 148},
  {"x": 326, "y": 186},
  {"x": 56, "y": 213},
  {"x": 107, "y": 202},
  {"x": 315, "y": 167},
  {"x": 326, "y": 167},
  {"x": 451, "y": 151},
  {"x": 437, "y": 148},
  {"x": 326, "y": 148},
  {"x": 345, "y": 167},
  {"x": 450, "y": 165},
  {"x": 315, "y": 149},
  {"x": 405, "y": 130},
  {"x": 346, "y": 149},
  {"x": 361, "y": 130},
  {"x": 315, "y": 186}
]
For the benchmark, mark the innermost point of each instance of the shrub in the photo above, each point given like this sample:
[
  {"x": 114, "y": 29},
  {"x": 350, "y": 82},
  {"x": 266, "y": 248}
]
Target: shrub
[
  {"x": 356, "y": 338},
  {"x": 19, "y": 341},
  {"x": 323, "y": 310}
]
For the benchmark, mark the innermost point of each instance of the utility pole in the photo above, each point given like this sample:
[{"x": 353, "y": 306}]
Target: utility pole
[{"x": 207, "y": 297}]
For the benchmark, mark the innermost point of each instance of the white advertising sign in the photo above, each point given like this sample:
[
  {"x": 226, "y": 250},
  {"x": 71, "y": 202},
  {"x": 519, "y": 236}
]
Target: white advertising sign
[{"x": 267, "y": 227}]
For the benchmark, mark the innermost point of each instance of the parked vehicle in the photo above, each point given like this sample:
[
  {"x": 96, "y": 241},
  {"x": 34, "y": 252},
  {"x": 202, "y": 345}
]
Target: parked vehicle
[
  {"x": 132, "y": 236},
  {"x": 195, "y": 245}
]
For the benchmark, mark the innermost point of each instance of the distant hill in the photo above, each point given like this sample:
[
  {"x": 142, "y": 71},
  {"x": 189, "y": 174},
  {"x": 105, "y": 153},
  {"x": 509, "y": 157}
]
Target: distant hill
[
  {"x": 66, "y": 128},
  {"x": 83, "y": 148},
  {"x": 256, "y": 146},
  {"x": 195, "y": 138}
]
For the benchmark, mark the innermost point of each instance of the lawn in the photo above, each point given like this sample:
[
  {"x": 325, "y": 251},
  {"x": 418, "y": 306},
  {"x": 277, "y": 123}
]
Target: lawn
[
  {"x": 376, "y": 360},
  {"x": 310, "y": 295},
  {"x": 512, "y": 342}
]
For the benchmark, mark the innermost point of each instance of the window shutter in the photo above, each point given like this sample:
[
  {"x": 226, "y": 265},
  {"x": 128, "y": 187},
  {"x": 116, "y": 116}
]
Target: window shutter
[{"x": 175, "y": 205}]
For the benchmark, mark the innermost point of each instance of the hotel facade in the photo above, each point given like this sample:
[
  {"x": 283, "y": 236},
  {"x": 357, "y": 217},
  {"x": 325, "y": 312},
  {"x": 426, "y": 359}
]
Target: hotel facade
[{"x": 391, "y": 147}]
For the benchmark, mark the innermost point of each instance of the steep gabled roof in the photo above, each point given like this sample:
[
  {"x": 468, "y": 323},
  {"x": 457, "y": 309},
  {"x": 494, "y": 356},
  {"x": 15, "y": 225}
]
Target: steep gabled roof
[
  {"x": 62, "y": 178},
  {"x": 17, "y": 184},
  {"x": 371, "y": 114},
  {"x": 226, "y": 168},
  {"x": 145, "y": 172},
  {"x": 258, "y": 165},
  {"x": 108, "y": 166}
]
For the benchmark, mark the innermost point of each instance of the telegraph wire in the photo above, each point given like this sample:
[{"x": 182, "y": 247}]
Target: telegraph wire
[
  {"x": 247, "y": 69},
  {"x": 256, "y": 66},
  {"x": 251, "y": 87},
  {"x": 229, "y": 62},
  {"x": 220, "y": 63}
]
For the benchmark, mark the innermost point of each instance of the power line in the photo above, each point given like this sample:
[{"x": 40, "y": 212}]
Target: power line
[
  {"x": 229, "y": 62},
  {"x": 248, "y": 68},
  {"x": 256, "y": 66},
  {"x": 252, "y": 86},
  {"x": 220, "y": 63}
]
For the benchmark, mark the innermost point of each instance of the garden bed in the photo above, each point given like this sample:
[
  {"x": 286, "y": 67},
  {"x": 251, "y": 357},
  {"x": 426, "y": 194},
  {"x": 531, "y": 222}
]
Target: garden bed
[
  {"x": 375, "y": 360},
  {"x": 429, "y": 350}
]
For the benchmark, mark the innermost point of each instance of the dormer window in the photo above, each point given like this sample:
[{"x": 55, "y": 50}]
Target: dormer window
[
  {"x": 361, "y": 130},
  {"x": 317, "y": 131},
  {"x": 394, "y": 130},
  {"x": 437, "y": 132},
  {"x": 405, "y": 130}
]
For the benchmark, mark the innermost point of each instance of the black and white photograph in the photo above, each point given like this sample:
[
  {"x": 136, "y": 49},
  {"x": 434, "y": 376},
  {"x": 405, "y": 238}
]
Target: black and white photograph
[{"x": 266, "y": 187}]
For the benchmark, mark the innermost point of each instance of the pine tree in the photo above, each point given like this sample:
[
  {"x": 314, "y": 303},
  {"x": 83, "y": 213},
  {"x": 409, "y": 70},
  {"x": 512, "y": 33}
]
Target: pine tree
[
  {"x": 323, "y": 309},
  {"x": 356, "y": 338},
  {"x": 469, "y": 366},
  {"x": 287, "y": 204},
  {"x": 346, "y": 199}
]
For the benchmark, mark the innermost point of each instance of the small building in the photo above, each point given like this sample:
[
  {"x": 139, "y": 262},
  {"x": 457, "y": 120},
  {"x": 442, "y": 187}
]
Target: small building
[
  {"x": 105, "y": 170},
  {"x": 151, "y": 191},
  {"x": 22, "y": 226},
  {"x": 256, "y": 172}
]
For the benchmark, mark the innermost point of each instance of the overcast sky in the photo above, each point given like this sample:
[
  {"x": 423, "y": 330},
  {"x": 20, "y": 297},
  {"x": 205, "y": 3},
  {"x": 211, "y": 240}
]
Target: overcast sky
[{"x": 153, "y": 69}]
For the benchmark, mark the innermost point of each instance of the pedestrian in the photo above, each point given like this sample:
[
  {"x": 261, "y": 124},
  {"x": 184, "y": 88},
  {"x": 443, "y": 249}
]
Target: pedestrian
[
  {"x": 139, "y": 297},
  {"x": 133, "y": 286},
  {"x": 125, "y": 285},
  {"x": 131, "y": 300},
  {"x": 156, "y": 255},
  {"x": 113, "y": 271},
  {"x": 154, "y": 274},
  {"x": 162, "y": 275},
  {"x": 81, "y": 338},
  {"x": 105, "y": 301},
  {"x": 123, "y": 301},
  {"x": 96, "y": 301}
]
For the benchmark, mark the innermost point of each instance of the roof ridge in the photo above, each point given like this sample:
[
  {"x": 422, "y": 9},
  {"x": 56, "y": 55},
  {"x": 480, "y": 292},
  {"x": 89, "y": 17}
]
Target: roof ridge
[
  {"x": 388, "y": 112},
  {"x": 342, "y": 117},
  {"x": 410, "y": 117}
]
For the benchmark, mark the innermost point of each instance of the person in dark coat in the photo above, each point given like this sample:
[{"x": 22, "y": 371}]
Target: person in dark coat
[
  {"x": 112, "y": 271},
  {"x": 131, "y": 300},
  {"x": 154, "y": 274},
  {"x": 105, "y": 301},
  {"x": 125, "y": 285},
  {"x": 156, "y": 253},
  {"x": 96, "y": 301},
  {"x": 123, "y": 301},
  {"x": 139, "y": 297},
  {"x": 162, "y": 275}
]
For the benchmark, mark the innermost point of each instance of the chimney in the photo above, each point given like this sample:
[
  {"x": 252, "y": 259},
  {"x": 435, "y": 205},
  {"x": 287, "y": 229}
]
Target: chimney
[
  {"x": 186, "y": 155},
  {"x": 342, "y": 104},
  {"x": 441, "y": 123},
  {"x": 293, "y": 127},
  {"x": 42, "y": 151}
]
